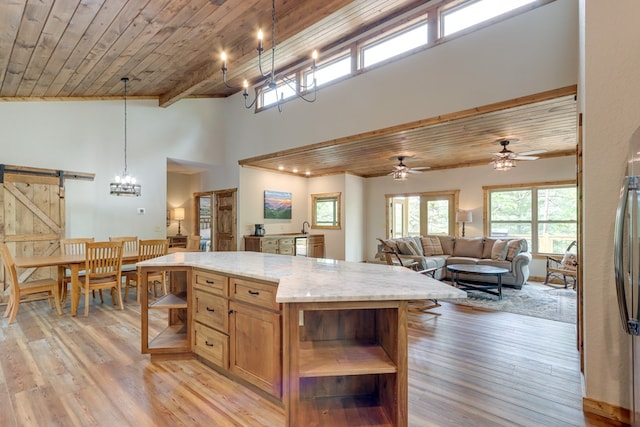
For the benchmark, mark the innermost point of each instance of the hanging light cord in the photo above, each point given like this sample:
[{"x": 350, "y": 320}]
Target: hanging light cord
[{"x": 125, "y": 80}]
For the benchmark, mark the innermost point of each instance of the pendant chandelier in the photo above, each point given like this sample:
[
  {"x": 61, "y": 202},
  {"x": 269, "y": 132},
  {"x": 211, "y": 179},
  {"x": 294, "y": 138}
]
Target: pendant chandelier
[
  {"x": 125, "y": 184},
  {"x": 270, "y": 80}
]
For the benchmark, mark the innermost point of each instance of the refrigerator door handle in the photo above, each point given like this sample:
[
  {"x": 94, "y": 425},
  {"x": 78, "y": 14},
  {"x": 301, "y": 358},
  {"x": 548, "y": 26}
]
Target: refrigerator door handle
[{"x": 618, "y": 254}]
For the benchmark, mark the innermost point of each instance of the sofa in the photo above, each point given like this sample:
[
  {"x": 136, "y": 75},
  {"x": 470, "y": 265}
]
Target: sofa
[{"x": 440, "y": 251}]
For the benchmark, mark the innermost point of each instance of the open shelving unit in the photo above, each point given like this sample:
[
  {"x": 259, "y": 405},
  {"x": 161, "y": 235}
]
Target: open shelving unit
[
  {"x": 175, "y": 339},
  {"x": 346, "y": 361}
]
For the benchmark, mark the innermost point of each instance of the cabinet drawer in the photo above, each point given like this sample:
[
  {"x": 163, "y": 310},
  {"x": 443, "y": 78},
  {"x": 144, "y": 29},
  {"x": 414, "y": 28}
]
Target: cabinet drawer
[
  {"x": 212, "y": 310},
  {"x": 259, "y": 294},
  {"x": 269, "y": 245},
  {"x": 286, "y": 242},
  {"x": 211, "y": 345},
  {"x": 211, "y": 282},
  {"x": 286, "y": 250}
]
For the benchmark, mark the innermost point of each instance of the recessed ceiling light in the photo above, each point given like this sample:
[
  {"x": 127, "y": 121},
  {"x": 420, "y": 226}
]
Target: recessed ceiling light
[
  {"x": 295, "y": 170},
  {"x": 307, "y": 173}
]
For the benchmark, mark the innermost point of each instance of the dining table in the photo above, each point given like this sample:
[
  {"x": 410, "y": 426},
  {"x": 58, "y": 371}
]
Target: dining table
[{"x": 75, "y": 263}]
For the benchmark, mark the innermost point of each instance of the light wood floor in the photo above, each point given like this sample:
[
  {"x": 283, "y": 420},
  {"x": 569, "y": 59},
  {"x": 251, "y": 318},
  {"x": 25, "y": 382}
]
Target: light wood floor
[{"x": 466, "y": 368}]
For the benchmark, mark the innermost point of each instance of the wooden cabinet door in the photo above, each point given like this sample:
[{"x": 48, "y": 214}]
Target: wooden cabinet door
[
  {"x": 225, "y": 220},
  {"x": 256, "y": 346}
]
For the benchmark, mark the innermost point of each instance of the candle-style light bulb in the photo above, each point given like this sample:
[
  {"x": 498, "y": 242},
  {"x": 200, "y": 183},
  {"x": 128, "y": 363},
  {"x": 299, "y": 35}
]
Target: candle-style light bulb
[
  {"x": 245, "y": 86},
  {"x": 314, "y": 55},
  {"x": 223, "y": 56},
  {"x": 260, "y": 37}
]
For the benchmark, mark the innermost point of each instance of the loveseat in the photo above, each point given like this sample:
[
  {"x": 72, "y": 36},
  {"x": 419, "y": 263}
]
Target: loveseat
[{"x": 440, "y": 251}]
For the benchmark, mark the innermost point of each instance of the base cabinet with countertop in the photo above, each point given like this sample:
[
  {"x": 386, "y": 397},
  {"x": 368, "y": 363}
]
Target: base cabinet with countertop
[
  {"x": 285, "y": 244},
  {"x": 290, "y": 329}
]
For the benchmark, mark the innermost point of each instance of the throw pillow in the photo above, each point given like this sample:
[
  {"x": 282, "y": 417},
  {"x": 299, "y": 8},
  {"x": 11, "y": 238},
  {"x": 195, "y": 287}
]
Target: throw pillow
[
  {"x": 465, "y": 247},
  {"x": 514, "y": 247},
  {"x": 487, "y": 247},
  {"x": 431, "y": 246},
  {"x": 405, "y": 248},
  {"x": 499, "y": 250},
  {"x": 569, "y": 261}
]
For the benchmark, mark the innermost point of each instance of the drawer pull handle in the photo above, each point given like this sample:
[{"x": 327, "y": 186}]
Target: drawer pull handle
[
  {"x": 209, "y": 282},
  {"x": 207, "y": 344},
  {"x": 253, "y": 292},
  {"x": 211, "y": 309},
  {"x": 230, "y": 311}
]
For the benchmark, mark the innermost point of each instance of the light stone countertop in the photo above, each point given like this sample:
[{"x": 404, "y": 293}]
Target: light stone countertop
[{"x": 302, "y": 279}]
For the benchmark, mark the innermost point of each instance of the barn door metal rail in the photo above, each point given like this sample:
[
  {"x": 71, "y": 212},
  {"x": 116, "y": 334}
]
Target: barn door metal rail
[{"x": 60, "y": 174}]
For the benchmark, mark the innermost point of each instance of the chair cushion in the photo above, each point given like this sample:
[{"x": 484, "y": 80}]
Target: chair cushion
[
  {"x": 431, "y": 246},
  {"x": 447, "y": 243},
  {"x": 499, "y": 250},
  {"x": 407, "y": 247},
  {"x": 468, "y": 247}
]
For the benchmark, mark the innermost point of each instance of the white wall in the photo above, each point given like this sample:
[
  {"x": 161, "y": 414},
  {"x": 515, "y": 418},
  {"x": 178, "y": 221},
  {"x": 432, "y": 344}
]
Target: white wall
[
  {"x": 355, "y": 218},
  {"x": 88, "y": 137},
  {"x": 610, "y": 93},
  {"x": 469, "y": 181}
]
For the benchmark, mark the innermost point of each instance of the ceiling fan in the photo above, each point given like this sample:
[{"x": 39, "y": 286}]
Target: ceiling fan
[
  {"x": 401, "y": 171},
  {"x": 506, "y": 159}
]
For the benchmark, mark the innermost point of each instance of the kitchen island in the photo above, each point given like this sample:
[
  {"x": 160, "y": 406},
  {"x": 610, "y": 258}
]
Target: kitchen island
[{"x": 327, "y": 338}]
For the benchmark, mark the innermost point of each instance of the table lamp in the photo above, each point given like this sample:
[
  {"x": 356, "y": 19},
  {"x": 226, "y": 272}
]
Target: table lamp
[
  {"x": 178, "y": 214},
  {"x": 463, "y": 216}
]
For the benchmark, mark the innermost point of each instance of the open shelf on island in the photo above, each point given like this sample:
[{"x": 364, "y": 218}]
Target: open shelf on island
[
  {"x": 333, "y": 411},
  {"x": 173, "y": 337},
  {"x": 168, "y": 301},
  {"x": 340, "y": 357}
]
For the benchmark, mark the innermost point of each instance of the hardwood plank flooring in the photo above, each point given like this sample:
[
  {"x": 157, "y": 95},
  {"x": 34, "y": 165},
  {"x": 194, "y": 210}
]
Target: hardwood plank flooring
[{"x": 467, "y": 367}]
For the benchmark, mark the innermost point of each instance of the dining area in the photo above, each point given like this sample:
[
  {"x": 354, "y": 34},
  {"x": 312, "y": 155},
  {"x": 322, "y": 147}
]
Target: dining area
[{"x": 87, "y": 268}]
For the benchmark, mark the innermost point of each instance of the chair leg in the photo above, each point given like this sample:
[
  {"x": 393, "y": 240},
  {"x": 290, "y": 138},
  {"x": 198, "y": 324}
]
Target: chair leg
[
  {"x": 56, "y": 297},
  {"x": 14, "y": 308},
  {"x": 119, "y": 297},
  {"x": 86, "y": 303}
]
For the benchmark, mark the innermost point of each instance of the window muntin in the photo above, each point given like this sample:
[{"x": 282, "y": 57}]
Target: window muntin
[
  {"x": 545, "y": 215},
  {"x": 326, "y": 210},
  {"x": 395, "y": 44},
  {"x": 472, "y": 13},
  {"x": 329, "y": 72}
]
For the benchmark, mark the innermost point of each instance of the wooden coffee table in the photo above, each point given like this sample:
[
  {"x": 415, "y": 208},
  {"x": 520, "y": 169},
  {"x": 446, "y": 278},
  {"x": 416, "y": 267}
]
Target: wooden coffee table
[{"x": 487, "y": 270}]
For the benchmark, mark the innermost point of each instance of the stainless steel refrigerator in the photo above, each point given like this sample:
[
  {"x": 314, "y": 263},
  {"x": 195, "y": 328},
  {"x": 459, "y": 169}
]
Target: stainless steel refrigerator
[{"x": 627, "y": 263}]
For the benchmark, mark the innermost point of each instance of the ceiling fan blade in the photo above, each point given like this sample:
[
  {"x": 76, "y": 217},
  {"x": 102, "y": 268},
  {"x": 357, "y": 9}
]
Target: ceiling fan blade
[
  {"x": 532, "y": 152},
  {"x": 526, "y": 158},
  {"x": 421, "y": 168}
]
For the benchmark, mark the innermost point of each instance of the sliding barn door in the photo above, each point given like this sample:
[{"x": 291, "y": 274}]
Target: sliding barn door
[{"x": 31, "y": 217}]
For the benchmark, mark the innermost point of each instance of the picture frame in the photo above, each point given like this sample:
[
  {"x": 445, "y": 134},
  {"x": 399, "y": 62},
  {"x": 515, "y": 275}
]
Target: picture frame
[{"x": 277, "y": 204}]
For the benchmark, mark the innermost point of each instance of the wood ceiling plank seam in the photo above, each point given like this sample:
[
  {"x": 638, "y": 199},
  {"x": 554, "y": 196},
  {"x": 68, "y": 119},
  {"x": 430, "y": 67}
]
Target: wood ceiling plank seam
[
  {"x": 128, "y": 21},
  {"x": 151, "y": 35},
  {"x": 75, "y": 29},
  {"x": 10, "y": 18},
  {"x": 33, "y": 20},
  {"x": 54, "y": 27},
  {"x": 162, "y": 57},
  {"x": 92, "y": 44}
]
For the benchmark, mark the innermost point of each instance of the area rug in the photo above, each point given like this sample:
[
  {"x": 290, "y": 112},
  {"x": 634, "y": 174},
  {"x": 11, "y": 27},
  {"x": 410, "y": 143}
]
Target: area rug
[{"x": 534, "y": 299}]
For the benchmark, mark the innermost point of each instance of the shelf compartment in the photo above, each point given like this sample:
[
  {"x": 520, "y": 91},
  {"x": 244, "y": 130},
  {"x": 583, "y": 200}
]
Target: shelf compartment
[
  {"x": 174, "y": 337},
  {"x": 341, "y": 357},
  {"x": 343, "y": 411},
  {"x": 168, "y": 301}
]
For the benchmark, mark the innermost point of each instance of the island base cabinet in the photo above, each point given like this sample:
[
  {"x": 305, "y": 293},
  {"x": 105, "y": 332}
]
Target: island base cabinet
[
  {"x": 346, "y": 363},
  {"x": 256, "y": 349}
]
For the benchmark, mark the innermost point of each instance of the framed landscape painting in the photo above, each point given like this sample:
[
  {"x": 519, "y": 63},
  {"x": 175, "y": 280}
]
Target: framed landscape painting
[{"x": 277, "y": 205}]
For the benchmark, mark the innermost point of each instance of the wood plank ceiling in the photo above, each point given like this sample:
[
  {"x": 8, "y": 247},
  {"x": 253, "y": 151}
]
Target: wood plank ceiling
[{"x": 170, "y": 50}]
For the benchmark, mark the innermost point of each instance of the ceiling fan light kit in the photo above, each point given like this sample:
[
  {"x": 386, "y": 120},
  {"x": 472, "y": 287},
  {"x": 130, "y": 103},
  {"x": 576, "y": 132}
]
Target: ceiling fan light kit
[
  {"x": 506, "y": 159},
  {"x": 401, "y": 171}
]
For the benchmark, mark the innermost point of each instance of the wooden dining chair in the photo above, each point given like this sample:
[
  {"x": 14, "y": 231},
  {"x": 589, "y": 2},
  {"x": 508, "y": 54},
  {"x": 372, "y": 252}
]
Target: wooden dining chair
[
  {"x": 129, "y": 245},
  {"x": 149, "y": 249},
  {"x": 73, "y": 246},
  {"x": 103, "y": 262},
  {"x": 18, "y": 290},
  {"x": 193, "y": 242}
]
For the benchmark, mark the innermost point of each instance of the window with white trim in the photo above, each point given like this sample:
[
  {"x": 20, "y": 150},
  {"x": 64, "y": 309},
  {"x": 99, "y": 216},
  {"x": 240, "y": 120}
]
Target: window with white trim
[{"x": 472, "y": 13}]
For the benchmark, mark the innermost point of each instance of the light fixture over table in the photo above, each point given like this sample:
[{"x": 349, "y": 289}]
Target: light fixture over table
[
  {"x": 271, "y": 80},
  {"x": 125, "y": 184}
]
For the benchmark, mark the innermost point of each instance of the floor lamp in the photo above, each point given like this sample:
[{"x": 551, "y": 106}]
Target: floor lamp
[{"x": 463, "y": 216}]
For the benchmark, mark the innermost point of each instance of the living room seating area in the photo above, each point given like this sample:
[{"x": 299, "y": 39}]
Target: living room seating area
[{"x": 440, "y": 250}]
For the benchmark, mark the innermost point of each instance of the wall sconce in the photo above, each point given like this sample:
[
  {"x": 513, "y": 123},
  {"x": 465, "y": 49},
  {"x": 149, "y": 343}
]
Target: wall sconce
[
  {"x": 464, "y": 216},
  {"x": 178, "y": 214}
]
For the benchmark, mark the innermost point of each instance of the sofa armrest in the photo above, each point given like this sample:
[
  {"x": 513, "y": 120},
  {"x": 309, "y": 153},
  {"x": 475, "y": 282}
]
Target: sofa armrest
[{"x": 520, "y": 267}]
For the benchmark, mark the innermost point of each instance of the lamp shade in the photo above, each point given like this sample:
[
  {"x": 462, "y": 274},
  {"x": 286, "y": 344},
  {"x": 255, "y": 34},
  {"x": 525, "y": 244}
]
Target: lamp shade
[
  {"x": 464, "y": 216},
  {"x": 178, "y": 214}
]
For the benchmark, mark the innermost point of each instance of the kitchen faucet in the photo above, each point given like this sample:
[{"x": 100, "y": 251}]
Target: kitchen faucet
[{"x": 306, "y": 222}]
